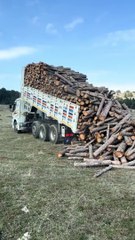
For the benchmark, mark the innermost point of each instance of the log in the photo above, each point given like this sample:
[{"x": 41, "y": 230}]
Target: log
[
  {"x": 100, "y": 106},
  {"x": 106, "y": 154},
  {"x": 62, "y": 153},
  {"x": 125, "y": 106},
  {"x": 96, "y": 129},
  {"x": 99, "y": 173},
  {"x": 82, "y": 136},
  {"x": 78, "y": 93},
  {"x": 123, "y": 167},
  {"x": 88, "y": 113},
  {"x": 125, "y": 119},
  {"x": 78, "y": 150},
  {"x": 123, "y": 160},
  {"x": 105, "y": 111},
  {"x": 82, "y": 154},
  {"x": 63, "y": 78},
  {"x": 109, "y": 119},
  {"x": 128, "y": 140},
  {"x": 108, "y": 157},
  {"x": 92, "y": 163},
  {"x": 75, "y": 158},
  {"x": 107, "y": 132},
  {"x": 116, "y": 162},
  {"x": 133, "y": 137},
  {"x": 120, "y": 150},
  {"x": 131, "y": 157},
  {"x": 70, "y": 90},
  {"x": 129, "y": 152},
  {"x": 132, "y": 163},
  {"x": 105, "y": 145},
  {"x": 90, "y": 151}
]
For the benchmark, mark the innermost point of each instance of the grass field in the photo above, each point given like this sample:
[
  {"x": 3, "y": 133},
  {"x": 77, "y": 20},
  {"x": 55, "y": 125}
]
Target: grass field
[{"x": 64, "y": 203}]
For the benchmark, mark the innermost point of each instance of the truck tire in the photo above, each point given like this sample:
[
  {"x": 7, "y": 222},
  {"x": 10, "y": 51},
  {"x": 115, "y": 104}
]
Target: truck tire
[
  {"x": 35, "y": 128},
  {"x": 15, "y": 127},
  {"x": 44, "y": 132},
  {"x": 53, "y": 134}
]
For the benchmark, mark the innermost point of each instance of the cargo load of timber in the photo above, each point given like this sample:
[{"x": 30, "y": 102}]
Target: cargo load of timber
[{"x": 103, "y": 122}]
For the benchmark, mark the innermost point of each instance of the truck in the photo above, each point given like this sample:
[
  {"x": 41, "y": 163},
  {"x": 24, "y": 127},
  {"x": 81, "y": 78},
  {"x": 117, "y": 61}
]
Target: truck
[{"x": 48, "y": 118}]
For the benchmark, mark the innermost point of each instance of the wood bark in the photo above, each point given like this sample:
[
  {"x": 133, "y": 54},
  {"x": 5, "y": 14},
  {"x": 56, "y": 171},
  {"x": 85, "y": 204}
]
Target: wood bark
[
  {"x": 105, "y": 111},
  {"x": 105, "y": 145},
  {"x": 92, "y": 163}
]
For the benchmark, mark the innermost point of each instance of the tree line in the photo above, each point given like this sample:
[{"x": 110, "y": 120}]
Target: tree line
[
  {"x": 8, "y": 96},
  {"x": 130, "y": 102}
]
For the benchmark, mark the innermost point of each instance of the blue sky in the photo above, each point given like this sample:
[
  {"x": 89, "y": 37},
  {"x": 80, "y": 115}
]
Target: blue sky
[{"x": 95, "y": 37}]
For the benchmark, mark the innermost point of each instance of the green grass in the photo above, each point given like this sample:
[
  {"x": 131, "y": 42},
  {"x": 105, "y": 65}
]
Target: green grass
[{"x": 65, "y": 203}]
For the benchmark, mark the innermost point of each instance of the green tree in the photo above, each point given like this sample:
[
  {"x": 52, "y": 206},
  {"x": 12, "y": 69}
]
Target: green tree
[{"x": 8, "y": 97}]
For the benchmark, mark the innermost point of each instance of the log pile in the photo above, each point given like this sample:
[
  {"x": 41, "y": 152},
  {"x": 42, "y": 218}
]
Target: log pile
[{"x": 105, "y": 128}]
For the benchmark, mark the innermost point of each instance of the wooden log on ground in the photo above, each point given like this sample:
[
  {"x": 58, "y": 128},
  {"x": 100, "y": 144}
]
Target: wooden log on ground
[
  {"x": 78, "y": 150},
  {"x": 75, "y": 158},
  {"x": 99, "y": 173},
  {"x": 123, "y": 160},
  {"x": 120, "y": 150},
  {"x": 90, "y": 151},
  {"x": 132, "y": 163},
  {"x": 92, "y": 163},
  {"x": 131, "y": 157}
]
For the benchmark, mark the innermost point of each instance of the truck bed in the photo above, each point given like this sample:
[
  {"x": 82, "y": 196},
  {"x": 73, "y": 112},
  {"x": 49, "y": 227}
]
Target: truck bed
[{"x": 63, "y": 111}]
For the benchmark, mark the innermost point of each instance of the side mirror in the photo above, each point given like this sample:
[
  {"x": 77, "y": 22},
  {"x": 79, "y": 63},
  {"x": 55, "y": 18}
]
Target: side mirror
[{"x": 11, "y": 107}]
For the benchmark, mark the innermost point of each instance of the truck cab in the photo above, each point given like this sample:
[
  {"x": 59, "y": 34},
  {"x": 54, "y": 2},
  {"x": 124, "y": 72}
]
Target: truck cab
[{"x": 20, "y": 115}]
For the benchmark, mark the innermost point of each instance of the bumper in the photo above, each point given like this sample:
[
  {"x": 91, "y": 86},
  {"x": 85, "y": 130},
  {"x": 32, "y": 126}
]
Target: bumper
[{"x": 25, "y": 126}]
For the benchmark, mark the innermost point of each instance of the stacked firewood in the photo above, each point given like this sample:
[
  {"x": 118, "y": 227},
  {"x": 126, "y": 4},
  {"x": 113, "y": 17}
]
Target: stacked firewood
[{"x": 105, "y": 128}]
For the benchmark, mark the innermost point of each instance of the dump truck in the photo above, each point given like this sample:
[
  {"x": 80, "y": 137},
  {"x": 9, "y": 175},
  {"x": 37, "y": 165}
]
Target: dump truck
[{"x": 48, "y": 118}]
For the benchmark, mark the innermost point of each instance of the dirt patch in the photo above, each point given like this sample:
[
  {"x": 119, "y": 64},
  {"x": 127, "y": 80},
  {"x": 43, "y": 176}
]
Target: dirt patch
[{"x": 3, "y": 158}]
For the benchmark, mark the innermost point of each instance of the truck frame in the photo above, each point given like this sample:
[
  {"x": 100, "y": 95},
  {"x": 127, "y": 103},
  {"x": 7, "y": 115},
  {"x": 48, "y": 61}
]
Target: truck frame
[{"x": 49, "y": 118}]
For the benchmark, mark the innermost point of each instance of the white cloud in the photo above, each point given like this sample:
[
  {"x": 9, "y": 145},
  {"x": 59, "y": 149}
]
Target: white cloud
[
  {"x": 70, "y": 26},
  {"x": 117, "y": 37},
  {"x": 50, "y": 28},
  {"x": 15, "y": 52}
]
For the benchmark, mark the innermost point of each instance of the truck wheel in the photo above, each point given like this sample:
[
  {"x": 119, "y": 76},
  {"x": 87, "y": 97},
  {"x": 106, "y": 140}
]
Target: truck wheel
[
  {"x": 44, "y": 132},
  {"x": 15, "y": 127},
  {"x": 35, "y": 128},
  {"x": 53, "y": 134}
]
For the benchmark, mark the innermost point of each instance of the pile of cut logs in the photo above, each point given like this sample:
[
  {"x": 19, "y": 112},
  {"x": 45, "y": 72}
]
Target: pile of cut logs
[{"x": 106, "y": 132}]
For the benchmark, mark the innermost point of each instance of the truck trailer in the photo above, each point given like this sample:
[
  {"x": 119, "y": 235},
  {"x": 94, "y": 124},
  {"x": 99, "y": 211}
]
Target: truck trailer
[{"x": 47, "y": 117}]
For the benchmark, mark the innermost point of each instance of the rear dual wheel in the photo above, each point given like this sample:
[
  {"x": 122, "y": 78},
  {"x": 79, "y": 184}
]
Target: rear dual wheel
[
  {"x": 53, "y": 134},
  {"x": 44, "y": 132},
  {"x": 35, "y": 128}
]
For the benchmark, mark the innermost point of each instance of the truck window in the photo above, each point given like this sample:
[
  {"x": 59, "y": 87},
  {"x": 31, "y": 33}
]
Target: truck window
[{"x": 14, "y": 106}]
